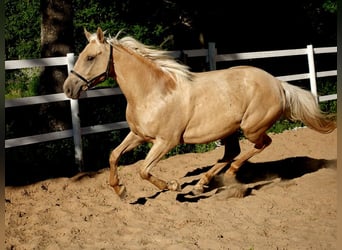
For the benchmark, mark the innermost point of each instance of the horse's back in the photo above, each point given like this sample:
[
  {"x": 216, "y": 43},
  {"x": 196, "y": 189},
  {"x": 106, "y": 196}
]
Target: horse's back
[
  {"x": 222, "y": 100},
  {"x": 254, "y": 75},
  {"x": 258, "y": 81},
  {"x": 244, "y": 82}
]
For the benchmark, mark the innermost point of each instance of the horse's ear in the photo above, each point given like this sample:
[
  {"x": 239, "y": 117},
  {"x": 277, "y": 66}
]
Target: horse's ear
[
  {"x": 100, "y": 35},
  {"x": 87, "y": 34}
]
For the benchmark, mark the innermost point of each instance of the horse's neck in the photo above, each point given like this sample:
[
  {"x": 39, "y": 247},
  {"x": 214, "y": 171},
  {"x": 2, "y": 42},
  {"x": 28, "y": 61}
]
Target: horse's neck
[{"x": 138, "y": 77}]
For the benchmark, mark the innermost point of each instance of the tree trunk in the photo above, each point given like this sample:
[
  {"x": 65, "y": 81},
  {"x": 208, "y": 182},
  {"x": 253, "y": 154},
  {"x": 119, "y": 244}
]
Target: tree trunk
[{"x": 56, "y": 40}]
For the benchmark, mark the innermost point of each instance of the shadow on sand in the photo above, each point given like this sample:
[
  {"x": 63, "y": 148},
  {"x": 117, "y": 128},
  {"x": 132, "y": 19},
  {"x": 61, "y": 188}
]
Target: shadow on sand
[{"x": 249, "y": 173}]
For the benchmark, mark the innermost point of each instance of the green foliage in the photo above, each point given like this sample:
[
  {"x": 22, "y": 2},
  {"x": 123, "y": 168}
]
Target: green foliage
[
  {"x": 327, "y": 87},
  {"x": 329, "y": 107},
  {"x": 22, "y": 83},
  {"x": 91, "y": 15},
  {"x": 22, "y": 29},
  {"x": 113, "y": 16},
  {"x": 282, "y": 125},
  {"x": 191, "y": 148},
  {"x": 22, "y": 24},
  {"x": 201, "y": 148},
  {"x": 110, "y": 82},
  {"x": 330, "y": 6}
]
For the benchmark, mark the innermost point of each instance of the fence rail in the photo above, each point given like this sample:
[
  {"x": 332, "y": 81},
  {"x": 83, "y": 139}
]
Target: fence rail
[{"x": 212, "y": 58}]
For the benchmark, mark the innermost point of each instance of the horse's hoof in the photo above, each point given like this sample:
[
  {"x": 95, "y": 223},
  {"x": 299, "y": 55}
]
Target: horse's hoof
[
  {"x": 120, "y": 190},
  {"x": 197, "y": 190},
  {"x": 174, "y": 186}
]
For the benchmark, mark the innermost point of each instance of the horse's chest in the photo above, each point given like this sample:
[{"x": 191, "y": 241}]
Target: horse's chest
[{"x": 143, "y": 121}]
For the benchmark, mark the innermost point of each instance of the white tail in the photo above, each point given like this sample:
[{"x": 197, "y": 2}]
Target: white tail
[{"x": 301, "y": 105}]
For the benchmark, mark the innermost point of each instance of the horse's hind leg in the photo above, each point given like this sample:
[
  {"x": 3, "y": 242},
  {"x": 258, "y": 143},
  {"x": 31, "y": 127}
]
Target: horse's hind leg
[
  {"x": 260, "y": 143},
  {"x": 231, "y": 150},
  {"x": 231, "y": 147}
]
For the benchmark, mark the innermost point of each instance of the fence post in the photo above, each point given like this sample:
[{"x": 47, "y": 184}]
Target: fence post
[
  {"x": 312, "y": 71},
  {"x": 212, "y": 56},
  {"x": 76, "y": 125}
]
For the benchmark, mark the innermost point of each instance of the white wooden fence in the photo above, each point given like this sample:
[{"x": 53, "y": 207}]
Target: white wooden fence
[{"x": 212, "y": 58}]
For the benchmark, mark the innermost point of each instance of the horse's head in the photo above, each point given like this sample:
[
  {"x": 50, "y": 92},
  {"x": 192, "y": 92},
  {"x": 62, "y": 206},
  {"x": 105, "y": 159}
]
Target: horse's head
[{"x": 94, "y": 65}]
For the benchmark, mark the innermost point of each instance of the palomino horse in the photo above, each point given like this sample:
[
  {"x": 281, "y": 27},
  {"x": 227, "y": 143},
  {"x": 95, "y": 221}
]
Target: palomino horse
[{"x": 167, "y": 104}]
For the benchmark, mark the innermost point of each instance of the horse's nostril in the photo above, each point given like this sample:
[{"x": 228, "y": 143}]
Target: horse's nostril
[{"x": 67, "y": 91}]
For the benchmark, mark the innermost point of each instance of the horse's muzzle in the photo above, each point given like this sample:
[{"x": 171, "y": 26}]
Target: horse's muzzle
[{"x": 72, "y": 87}]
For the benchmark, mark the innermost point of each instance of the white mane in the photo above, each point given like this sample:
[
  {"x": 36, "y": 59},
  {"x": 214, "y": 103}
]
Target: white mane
[{"x": 160, "y": 57}]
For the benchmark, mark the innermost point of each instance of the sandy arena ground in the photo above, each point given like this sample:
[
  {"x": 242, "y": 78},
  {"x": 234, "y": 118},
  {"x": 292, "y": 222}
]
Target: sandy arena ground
[{"x": 290, "y": 203}]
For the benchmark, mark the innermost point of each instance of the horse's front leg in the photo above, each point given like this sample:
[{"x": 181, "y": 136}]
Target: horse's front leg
[
  {"x": 158, "y": 150},
  {"x": 130, "y": 142}
]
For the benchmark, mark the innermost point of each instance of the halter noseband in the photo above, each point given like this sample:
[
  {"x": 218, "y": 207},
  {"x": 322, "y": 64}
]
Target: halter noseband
[{"x": 90, "y": 83}]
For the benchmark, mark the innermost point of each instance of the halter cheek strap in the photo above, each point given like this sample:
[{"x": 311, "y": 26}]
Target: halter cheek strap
[{"x": 91, "y": 83}]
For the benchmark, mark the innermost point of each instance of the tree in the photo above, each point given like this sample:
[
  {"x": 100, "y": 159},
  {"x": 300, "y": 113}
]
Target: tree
[{"x": 56, "y": 40}]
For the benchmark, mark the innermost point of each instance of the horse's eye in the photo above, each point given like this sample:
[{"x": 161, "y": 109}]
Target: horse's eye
[{"x": 90, "y": 58}]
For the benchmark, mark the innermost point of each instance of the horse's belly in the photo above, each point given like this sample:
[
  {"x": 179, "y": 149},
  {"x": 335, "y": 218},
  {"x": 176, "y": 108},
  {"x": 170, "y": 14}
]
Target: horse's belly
[
  {"x": 209, "y": 130},
  {"x": 214, "y": 115}
]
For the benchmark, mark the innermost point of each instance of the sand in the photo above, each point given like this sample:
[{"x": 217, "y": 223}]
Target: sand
[{"x": 290, "y": 202}]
